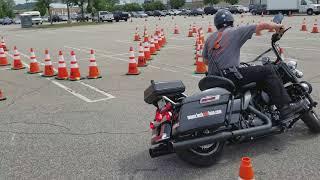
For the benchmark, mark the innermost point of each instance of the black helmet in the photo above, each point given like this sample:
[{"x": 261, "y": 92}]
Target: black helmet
[{"x": 223, "y": 18}]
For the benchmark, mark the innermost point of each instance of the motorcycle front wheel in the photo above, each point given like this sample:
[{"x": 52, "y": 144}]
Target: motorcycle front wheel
[
  {"x": 312, "y": 121},
  {"x": 203, "y": 156}
]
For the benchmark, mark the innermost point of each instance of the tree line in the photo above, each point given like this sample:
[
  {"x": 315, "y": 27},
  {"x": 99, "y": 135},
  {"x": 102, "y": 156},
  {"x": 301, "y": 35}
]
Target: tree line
[{"x": 6, "y": 8}]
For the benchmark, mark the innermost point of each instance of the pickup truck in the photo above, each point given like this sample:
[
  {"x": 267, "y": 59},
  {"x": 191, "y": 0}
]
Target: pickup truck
[
  {"x": 105, "y": 16},
  {"x": 119, "y": 15}
]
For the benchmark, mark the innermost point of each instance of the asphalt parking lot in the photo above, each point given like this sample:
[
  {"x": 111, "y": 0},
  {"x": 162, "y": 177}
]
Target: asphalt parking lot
[{"x": 99, "y": 129}]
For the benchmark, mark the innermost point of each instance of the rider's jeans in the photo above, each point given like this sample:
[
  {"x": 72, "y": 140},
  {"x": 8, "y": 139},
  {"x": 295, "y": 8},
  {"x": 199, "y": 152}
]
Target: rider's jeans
[{"x": 265, "y": 77}]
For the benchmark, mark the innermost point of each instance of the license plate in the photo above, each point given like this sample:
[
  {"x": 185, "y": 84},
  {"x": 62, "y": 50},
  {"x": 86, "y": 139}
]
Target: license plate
[{"x": 161, "y": 103}]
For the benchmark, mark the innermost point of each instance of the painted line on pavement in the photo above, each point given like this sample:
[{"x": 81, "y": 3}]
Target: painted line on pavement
[{"x": 82, "y": 97}]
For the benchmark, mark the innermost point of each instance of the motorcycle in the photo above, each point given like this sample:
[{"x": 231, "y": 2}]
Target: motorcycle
[{"x": 197, "y": 127}]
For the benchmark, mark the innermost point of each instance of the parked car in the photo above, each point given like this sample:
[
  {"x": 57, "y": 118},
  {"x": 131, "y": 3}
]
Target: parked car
[
  {"x": 210, "y": 10},
  {"x": 196, "y": 12},
  {"x": 259, "y": 9},
  {"x": 142, "y": 14},
  {"x": 150, "y": 13},
  {"x": 185, "y": 12},
  {"x": 166, "y": 12},
  {"x": 119, "y": 15},
  {"x": 134, "y": 14},
  {"x": 16, "y": 21},
  {"x": 105, "y": 16},
  {"x": 7, "y": 21},
  {"x": 55, "y": 18},
  {"x": 63, "y": 17},
  {"x": 1, "y": 20},
  {"x": 241, "y": 9},
  {"x": 35, "y": 16},
  {"x": 158, "y": 13}
]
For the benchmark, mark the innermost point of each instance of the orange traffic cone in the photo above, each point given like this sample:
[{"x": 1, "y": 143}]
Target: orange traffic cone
[
  {"x": 201, "y": 36},
  {"x": 34, "y": 65},
  {"x": 315, "y": 27},
  {"x": 304, "y": 26},
  {"x": 197, "y": 54},
  {"x": 136, "y": 35},
  {"x": 93, "y": 67},
  {"x": 176, "y": 30},
  {"x": 156, "y": 43},
  {"x": 194, "y": 28},
  {"x": 262, "y": 14},
  {"x": 74, "y": 68},
  {"x": 141, "y": 58},
  {"x": 152, "y": 47},
  {"x": 17, "y": 64},
  {"x": 157, "y": 31},
  {"x": 201, "y": 67},
  {"x": 190, "y": 33},
  {"x": 147, "y": 54},
  {"x": 210, "y": 30},
  {"x": 164, "y": 40},
  {"x": 1, "y": 96},
  {"x": 146, "y": 37},
  {"x": 62, "y": 68},
  {"x": 3, "y": 57},
  {"x": 48, "y": 68},
  {"x": 160, "y": 42},
  {"x": 133, "y": 70},
  {"x": 246, "y": 170},
  {"x": 3, "y": 44}
]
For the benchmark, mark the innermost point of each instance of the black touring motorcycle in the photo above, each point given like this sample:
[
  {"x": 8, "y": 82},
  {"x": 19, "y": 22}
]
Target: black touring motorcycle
[{"x": 197, "y": 127}]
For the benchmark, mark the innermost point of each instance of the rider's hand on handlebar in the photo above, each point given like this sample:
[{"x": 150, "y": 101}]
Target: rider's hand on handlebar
[{"x": 279, "y": 28}]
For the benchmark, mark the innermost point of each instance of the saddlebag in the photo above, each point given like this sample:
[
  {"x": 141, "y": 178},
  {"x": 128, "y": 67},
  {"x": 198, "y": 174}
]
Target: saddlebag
[
  {"x": 158, "y": 89},
  {"x": 203, "y": 110}
]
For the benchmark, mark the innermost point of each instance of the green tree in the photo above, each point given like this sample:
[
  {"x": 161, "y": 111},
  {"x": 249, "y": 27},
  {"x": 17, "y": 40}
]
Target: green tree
[
  {"x": 232, "y": 2},
  {"x": 176, "y": 4},
  {"x": 211, "y": 2},
  {"x": 6, "y": 8},
  {"x": 81, "y": 4},
  {"x": 46, "y": 4},
  {"x": 158, "y": 5},
  {"x": 99, "y": 5},
  {"x": 151, "y": 6},
  {"x": 132, "y": 7},
  {"x": 41, "y": 8}
]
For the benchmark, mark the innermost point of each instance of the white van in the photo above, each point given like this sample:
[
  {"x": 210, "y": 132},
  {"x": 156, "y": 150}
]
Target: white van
[{"x": 35, "y": 15}]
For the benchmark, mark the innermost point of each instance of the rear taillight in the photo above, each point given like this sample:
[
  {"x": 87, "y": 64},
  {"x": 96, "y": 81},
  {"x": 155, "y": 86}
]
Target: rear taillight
[
  {"x": 168, "y": 116},
  {"x": 158, "y": 116},
  {"x": 152, "y": 126}
]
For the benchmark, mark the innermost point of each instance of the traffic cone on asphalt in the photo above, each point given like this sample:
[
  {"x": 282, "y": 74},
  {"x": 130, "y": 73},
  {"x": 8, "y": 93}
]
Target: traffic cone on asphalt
[
  {"x": 141, "y": 58},
  {"x": 133, "y": 70},
  {"x": 1, "y": 96},
  {"x": 17, "y": 64},
  {"x": 48, "y": 68},
  {"x": 160, "y": 42},
  {"x": 152, "y": 46},
  {"x": 147, "y": 54},
  {"x": 304, "y": 25},
  {"x": 190, "y": 34},
  {"x": 246, "y": 169},
  {"x": 157, "y": 31},
  {"x": 93, "y": 67},
  {"x": 197, "y": 54},
  {"x": 136, "y": 35},
  {"x": 201, "y": 36},
  {"x": 262, "y": 14},
  {"x": 156, "y": 43},
  {"x": 3, "y": 44},
  {"x": 201, "y": 67},
  {"x": 74, "y": 68},
  {"x": 146, "y": 37},
  {"x": 164, "y": 40},
  {"x": 176, "y": 30},
  {"x": 315, "y": 27},
  {"x": 3, "y": 57},
  {"x": 34, "y": 65},
  {"x": 210, "y": 30},
  {"x": 62, "y": 68},
  {"x": 194, "y": 28}
]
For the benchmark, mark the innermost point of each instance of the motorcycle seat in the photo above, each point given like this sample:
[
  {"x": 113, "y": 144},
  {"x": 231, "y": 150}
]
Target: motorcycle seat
[{"x": 212, "y": 81}]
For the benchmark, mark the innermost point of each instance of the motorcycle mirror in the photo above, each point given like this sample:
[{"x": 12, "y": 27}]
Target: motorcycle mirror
[{"x": 278, "y": 18}]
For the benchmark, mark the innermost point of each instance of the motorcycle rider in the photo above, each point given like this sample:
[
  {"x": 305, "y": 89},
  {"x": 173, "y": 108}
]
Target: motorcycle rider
[{"x": 221, "y": 53}]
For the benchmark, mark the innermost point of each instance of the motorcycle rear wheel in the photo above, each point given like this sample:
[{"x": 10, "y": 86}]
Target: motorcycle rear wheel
[
  {"x": 202, "y": 156},
  {"x": 312, "y": 121}
]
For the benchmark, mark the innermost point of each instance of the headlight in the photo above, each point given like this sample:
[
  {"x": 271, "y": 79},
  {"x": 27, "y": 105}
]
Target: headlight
[
  {"x": 297, "y": 73},
  {"x": 292, "y": 65}
]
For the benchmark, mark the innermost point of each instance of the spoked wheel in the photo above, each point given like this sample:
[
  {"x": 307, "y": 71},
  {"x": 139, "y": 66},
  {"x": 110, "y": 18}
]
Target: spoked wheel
[
  {"x": 205, "y": 155},
  {"x": 312, "y": 120}
]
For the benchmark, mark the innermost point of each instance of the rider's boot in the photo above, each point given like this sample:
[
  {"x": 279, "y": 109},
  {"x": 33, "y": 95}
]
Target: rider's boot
[{"x": 289, "y": 110}]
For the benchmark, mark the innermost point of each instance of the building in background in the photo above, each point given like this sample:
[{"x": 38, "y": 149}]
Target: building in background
[{"x": 61, "y": 9}]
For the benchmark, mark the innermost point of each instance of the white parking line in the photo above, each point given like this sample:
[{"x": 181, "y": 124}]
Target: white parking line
[{"x": 80, "y": 96}]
